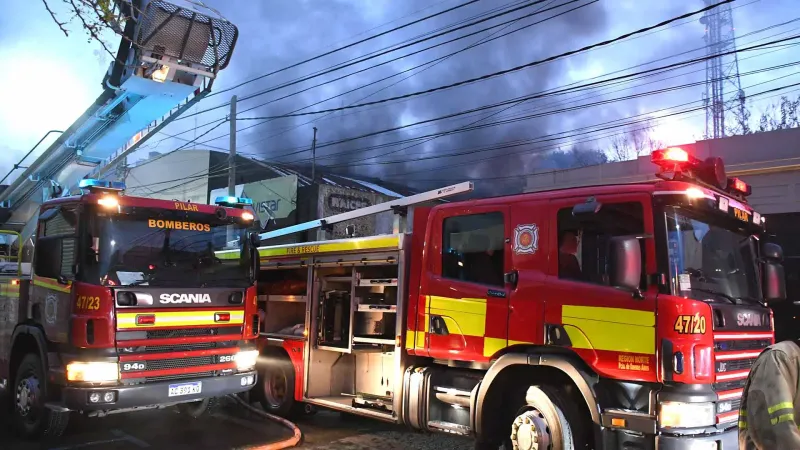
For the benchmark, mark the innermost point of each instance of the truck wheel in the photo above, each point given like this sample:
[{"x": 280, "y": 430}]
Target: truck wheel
[
  {"x": 30, "y": 417},
  {"x": 275, "y": 388},
  {"x": 548, "y": 421},
  {"x": 200, "y": 408}
]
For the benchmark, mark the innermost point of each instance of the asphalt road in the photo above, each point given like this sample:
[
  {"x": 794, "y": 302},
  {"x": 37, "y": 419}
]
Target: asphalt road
[{"x": 231, "y": 427}]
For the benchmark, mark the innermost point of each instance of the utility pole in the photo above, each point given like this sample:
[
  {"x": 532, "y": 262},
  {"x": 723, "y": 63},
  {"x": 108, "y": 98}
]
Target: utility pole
[
  {"x": 232, "y": 157},
  {"x": 314, "y": 157},
  {"x": 232, "y": 161}
]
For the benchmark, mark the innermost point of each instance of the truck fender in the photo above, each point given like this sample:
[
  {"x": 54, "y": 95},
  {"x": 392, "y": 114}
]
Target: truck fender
[
  {"x": 564, "y": 363},
  {"x": 25, "y": 331}
]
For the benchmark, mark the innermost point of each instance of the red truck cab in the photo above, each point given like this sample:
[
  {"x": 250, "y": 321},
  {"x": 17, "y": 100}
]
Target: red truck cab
[{"x": 129, "y": 303}]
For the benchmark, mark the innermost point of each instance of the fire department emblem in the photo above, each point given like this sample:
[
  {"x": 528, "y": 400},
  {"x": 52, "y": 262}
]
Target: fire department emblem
[
  {"x": 51, "y": 309},
  {"x": 526, "y": 239}
]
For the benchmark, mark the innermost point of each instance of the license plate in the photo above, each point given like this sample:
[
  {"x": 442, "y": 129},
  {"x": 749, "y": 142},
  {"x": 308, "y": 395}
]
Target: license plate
[{"x": 176, "y": 390}]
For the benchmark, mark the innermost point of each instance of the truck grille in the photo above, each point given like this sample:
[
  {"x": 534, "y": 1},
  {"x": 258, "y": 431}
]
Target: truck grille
[
  {"x": 187, "y": 360},
  {"x": 179, "y": 363},
  {"x": 741, "y": 332},
  {"x": 190, "y": 332}
]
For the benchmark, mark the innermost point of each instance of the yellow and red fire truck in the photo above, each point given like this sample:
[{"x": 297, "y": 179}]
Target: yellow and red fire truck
[
  {"x": 622, "y": 316},
  {"x": 129, "y": 303}
]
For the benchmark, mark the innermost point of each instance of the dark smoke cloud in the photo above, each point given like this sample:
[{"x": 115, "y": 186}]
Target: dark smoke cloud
[{"x": 277, "y": 34}]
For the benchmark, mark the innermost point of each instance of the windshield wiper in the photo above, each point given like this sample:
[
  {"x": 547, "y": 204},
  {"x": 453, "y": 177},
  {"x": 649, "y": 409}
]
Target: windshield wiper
[{"x": 731, "y": 299}]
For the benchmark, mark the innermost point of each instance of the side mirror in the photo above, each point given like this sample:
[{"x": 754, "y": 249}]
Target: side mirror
[
  {"x": 625, "y": 262},
  {"x": 62, "y": 280},
  {"x": 772, "y": 252},
  {"x": 774, "y": 282}
]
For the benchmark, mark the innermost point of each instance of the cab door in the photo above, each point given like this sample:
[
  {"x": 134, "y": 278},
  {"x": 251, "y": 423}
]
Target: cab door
[
  {"x": 611, "y": 328},
  {"x": 466, "y": 299}
]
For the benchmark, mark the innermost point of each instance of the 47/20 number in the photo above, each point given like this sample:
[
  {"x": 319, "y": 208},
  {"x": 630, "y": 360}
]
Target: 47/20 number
[{"x": 687, "y": 324}]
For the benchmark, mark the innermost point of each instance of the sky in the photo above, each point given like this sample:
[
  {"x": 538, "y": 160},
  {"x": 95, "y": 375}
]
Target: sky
[{"x": 50, "y": 79}]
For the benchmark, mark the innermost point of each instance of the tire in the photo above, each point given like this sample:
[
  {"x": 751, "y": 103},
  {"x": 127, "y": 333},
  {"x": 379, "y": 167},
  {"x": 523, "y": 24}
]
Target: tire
[
  {"x": 549, "y": 420},
  {"x": 199, "y": 408},
  {"x": 29, "y": 394},
  {"x": 275, "y": 388}
]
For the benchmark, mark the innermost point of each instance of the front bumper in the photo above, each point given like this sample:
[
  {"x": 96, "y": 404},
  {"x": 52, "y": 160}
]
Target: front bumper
[
  {"x": 728, "y": 440},
  {"x": 152, "y": 394}
]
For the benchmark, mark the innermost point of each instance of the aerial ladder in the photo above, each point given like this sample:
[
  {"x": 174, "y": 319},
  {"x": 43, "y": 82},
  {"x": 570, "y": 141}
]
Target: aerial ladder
[
  {"x": 398, "y": 206},
  {"x": 167, "y": 60}
]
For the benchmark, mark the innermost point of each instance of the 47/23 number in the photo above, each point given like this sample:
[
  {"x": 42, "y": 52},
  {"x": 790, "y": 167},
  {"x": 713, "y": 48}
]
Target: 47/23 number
[
  {"x": 687, "y": 324},
  {"x": 87, "y": 302}
]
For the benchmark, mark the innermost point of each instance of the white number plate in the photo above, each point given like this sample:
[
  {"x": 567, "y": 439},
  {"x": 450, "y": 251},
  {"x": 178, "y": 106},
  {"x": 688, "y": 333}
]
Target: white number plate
[{"x": 176, "y": 390}]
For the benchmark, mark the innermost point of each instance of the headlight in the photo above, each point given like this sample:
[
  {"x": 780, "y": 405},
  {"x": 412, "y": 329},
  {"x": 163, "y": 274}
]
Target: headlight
[
  {"x": 246, "y": 360},
  {"x": 92, "y": 371},
  {"x": 686, "y": 415}
]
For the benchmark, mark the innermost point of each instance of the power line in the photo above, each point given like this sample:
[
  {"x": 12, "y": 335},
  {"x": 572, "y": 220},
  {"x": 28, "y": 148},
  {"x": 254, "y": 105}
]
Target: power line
[
  {"x": 506, "y": 71},
  {"x": 436, "y": 60},
  {"x": 367, "y": 58},
  {"x": 433, "y": 61},
  {"x": 541, "y": 94},
  {"x": 470, "y": 127},
  {"x": 552, "y": 138},
  {"x": 322, "y": 55},
  {"x": 333, "y": 68},
  {"x": 447, "y": 56}
]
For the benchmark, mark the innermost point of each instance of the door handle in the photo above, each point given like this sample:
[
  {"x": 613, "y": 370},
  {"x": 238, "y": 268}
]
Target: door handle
[{"x": 511, "y": 278}]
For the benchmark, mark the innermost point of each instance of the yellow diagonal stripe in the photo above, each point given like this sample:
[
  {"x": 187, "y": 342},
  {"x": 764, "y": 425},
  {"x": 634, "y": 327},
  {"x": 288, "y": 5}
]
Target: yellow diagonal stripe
[
  {"x": 611, "y": 329},
  {"x": 618, "y": 315},
  {"x": 127, "y": 320}
]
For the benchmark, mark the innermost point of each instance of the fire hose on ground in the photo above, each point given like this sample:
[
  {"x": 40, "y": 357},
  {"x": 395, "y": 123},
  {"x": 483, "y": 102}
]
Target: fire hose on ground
[{"x": 286, "y": 443}]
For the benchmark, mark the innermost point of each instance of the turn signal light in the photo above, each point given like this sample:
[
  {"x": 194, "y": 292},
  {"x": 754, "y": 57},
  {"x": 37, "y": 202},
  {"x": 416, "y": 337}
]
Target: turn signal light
[
  {"x": 222, "y": 317},
  {"x": 148, "y": 319}
]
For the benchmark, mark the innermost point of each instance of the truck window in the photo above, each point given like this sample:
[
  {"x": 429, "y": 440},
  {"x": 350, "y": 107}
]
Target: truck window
[
  {"x": 472, "y": 248},
  {"x": 56, "y": 246},
  {"x": 583, "y": 247}
]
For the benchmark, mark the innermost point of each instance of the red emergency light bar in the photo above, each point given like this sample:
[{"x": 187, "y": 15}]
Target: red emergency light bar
[
  {"x": 674, "y": 156},
  {"x": 739, "y": 186},
  {"x": 685, "y": 165}
]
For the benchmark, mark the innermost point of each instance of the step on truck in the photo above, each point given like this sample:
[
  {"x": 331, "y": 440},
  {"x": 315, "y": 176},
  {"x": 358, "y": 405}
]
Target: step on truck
[
  {"x": 623, "y": 316},
  {"x": 129, "y": 303}
]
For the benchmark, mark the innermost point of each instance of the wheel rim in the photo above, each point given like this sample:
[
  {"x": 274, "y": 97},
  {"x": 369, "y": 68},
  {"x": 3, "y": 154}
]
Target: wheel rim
[
  {"x": 275, "y": 387},
  {"x": 530, "y": 431},
  {"x": 27, "y": 398}
]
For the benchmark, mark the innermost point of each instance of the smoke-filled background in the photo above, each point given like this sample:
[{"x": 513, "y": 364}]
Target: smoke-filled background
[{"x": 61, "y": 76}]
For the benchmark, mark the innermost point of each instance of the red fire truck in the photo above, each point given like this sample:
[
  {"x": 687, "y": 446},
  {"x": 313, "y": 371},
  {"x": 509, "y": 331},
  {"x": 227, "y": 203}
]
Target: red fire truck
[
  {"x": 130, "y": 303},
  {"x": 622, "y": 316}
]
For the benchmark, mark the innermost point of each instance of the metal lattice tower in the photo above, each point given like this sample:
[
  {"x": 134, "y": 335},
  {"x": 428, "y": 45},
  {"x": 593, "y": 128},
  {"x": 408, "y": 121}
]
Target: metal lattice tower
[{"x": 723, "y": 89}]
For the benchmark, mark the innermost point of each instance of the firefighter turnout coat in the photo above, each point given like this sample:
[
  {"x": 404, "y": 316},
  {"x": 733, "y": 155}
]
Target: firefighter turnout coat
[{"x": 770, "y": 400}]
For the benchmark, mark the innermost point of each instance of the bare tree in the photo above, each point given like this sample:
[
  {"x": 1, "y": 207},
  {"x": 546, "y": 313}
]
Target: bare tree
[
  {"x": 94, "y": 17},
  {"x": 634, "y": 141}
]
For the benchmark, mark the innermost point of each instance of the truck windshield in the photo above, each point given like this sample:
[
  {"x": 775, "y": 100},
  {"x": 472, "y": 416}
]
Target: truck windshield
[
  {"x": 710, "y": 262},
  {"x": 127, "y": 251}
]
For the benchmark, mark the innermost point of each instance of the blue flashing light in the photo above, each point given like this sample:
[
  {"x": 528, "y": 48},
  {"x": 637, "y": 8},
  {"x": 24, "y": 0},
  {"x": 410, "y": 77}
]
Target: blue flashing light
[
  {"x": 90, "y": 183},
  {"x": 233, "y": 202}
]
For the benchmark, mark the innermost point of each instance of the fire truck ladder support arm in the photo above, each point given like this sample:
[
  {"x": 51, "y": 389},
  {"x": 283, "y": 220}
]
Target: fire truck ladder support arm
[{"x": 394, "y": 205}]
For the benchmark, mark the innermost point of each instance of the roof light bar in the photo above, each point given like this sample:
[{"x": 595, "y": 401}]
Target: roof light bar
[
  {"x": 104, "y": 185},
  {"x": 673, "y": 156},
  {"x": 233, "y": 202}
]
